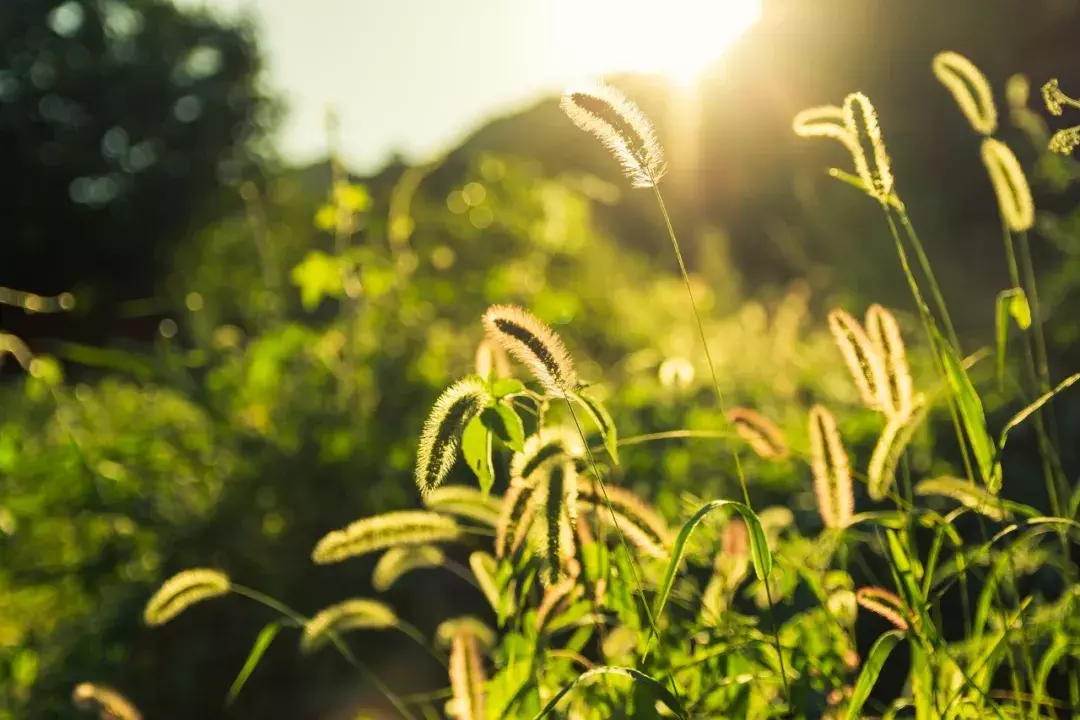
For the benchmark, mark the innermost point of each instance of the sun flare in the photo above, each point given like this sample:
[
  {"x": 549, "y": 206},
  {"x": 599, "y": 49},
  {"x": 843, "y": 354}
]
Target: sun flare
[{"x": 678, "y": 38}]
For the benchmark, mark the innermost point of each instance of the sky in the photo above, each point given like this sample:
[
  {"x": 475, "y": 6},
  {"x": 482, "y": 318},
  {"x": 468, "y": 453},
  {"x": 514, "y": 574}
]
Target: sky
[{"x": 417, "y": 76}]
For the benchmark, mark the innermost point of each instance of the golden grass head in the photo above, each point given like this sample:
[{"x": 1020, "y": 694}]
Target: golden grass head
[
  {"x": 1010, "y": 185},
  {"x": 465, "y": 502},
  {"x": 183, "y": 590},
  {"x": 884, "y": 603},
  {"x": 546, "y": 445},
  {"x": 966, "y": 493},
  {"x": 969, "y": 88},
  {"x": 535, "y": 345},
  {"x": 865, "y": 364},
  {"x": 1053, "y": 98},
  {"x": 515, "y": 517},
  {"x": 354, "y": 614},
  {"x": 821, "y": 121},
  {"x": 467, "y": 677},
  {"x": 560, "y": 516},
  {"x": 441, "y": 435},
  {"x": 760, "y": 433},
  {"x": 638, "y": 521},
  {"x": 392, "y": 529},
  {"x": 108, "y": 703},
  {"x": 621, "y": 126},
  {"x": 898, "y": 387},
  {"x": 831, "y": 469},
  {"x": 1064, "y": 142},
  {"x": 861, "y": 120},
  {"x": 399, "y": 561}
]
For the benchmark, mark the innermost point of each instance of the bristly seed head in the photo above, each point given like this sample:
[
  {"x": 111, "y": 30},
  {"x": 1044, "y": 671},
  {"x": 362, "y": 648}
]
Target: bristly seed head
[
  {"x": 399, "y": 561},
  {"x": 884, "y": 603},
  {"x": 439, "y": 439},
  {"x": 899, "y": 389},
  {"x": 535, "y": 345},
  {"x": 759, "y": 432},
  {"x": 1064, "y": 142},
  {"x": 865, "y": 364},
  {"x": 861, "y": 120},
  {"x": 831, "y": 469},
  {"x": 183, "y": 590},
  {"x": 109, "y": 704},
  {"x": 355, "y": 614},
  {"x": 392, "y": 529},
  {"x": 970, "y": 89},
  {"x": 560, "y": 517},
  {"x": 1053, "y": 97},
  {"x": 1010, "y": 185},
  {"x": 621, "y": 126}
]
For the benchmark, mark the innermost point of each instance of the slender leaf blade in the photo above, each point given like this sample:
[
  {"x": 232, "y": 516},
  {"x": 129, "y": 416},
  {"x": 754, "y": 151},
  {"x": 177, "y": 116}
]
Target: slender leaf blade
[
  {"x": 879, "y": 653},
  {"x": 262, "y": 643}
]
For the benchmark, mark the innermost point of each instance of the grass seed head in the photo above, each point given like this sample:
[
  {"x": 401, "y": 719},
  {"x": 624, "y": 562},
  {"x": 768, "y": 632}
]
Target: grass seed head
[
  {"x": 108, "y": 703},
  {"x": 621, "y": 126},
  {"x": 969, "y": 88},
  {"x": 535, "y": 345},
  {"x": 884, "y": 603},
  {"x": 760, "y": 433},
  {"x": 831, "y": 469},
  {"x": 183, "y": 590},
  {"x": 399, "y": 561},
  {"x": 354, "y": 614},
  {"x": 1010, "y": 185},
  {"x": 441, "y": 435},
  {"x": 392, "y": 529},
  {"x": 864, "y": 362},
  {"x": 898, "y": 387}
]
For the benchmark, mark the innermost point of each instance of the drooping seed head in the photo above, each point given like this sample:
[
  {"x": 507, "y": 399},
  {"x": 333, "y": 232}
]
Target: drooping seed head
[
  {"x": 884, "y": 603},
  {"x": 515, "y": 516},
  {"x": 547, "y": 445},
  {"x": 861, "y": 120},
  {"x": 106, "y": 702},
  {"x": 441, "y": 435},
  {"x": 865, "y": 364},
  {"x": 969, "y": 88},
  {"x": 1010, "y": 185},
  {"x": 392, "y": 529},
  {"x": 636, "y": 519},
  {"x": 354, "y": 614},
  {"x": 560, "y": 515},
  {"x": 535, "y": 345},
  {"x": 464, "y": 625},
  {"x": 399, "y": 561},
  {"x": 967, "y": 494},
  {"x": 1064, "y": 142},
  {"x": 465, "y": 502},
  {"x": 183, "y": 590},
  {"x": 1053, "y": 97},
  {"x": 467, "y": 677},
  {"x": 831, "y": 469},
  {"x": 760, "y": 433},
  {"x": 621, "y": 126},
  {"x": 888, "y": 344}
]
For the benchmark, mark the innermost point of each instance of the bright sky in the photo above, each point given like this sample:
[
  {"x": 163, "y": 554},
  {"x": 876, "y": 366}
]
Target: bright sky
[{"x": 416, "y": 76}]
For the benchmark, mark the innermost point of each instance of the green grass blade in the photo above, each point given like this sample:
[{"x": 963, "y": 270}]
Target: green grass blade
[
  {"x": 971, "y": 412},
  {"x": 1033, "y": 407},
  {"x": 602, "y": 419},
  {"x": 661, "y": 692},
  {"x": 1012, "y": 302},
  {"x": 879, "y": 653},
  {"x": 262, "y": 643}
]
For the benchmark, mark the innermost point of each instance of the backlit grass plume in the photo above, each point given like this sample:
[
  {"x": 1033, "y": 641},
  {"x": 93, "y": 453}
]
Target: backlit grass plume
[
  {"x": 884, "y": 603},
  {"x": 864, "y": 362},
  {"x": 465, "y": 502},
  {"x": 534, "y": 344},
  {"x": 1010, "y": 185},
  {"x": 354, "y": 614},
  {"x": 467, "y": 677},
  {"x": 759, "y": 432},
  {"x": 392, "y": 529},
  {"x": 556, "y": 536},
  {"x": 831, "y": 469},
  {"x": 183, "y": 590},
  {"x": 622, "y": 127},
  {"x": 969, "y": 88},
  {"x": 109, "y": 704},
  {"x": 861, "y": 120},
  {"x": 546, "y": 445},
  {"x": 515, "y": 516},
  {"x": 898, "y": 391},
  {"x": 441, "y": 435},
  {"x": 966, "y": 493},
  {"x": 399, "y": 561},
  {"x": 464, "y": 625},
  {"x": 890, "y": 447},
  {"x": 637, "y": 519}
]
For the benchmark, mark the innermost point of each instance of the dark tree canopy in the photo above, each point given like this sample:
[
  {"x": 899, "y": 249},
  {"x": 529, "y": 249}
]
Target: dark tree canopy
[{"x": 120, "y": 120}]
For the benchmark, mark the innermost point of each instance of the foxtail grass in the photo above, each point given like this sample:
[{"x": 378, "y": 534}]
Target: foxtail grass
[
  {"x": 392, "y": 529},
  {"x": 183, "y": 590}
]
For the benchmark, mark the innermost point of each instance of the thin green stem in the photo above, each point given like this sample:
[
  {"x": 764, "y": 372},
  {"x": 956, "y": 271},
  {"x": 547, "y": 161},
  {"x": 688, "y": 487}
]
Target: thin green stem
[{"x": 720, "y": 405}]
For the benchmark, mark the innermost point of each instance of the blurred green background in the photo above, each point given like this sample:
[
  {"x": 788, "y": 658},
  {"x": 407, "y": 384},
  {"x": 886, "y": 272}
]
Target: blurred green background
[{"x": 251, "y": 339}]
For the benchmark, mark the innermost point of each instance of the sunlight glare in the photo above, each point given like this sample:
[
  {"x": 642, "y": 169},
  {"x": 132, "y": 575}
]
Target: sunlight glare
[{"x": 679, "y": 38}]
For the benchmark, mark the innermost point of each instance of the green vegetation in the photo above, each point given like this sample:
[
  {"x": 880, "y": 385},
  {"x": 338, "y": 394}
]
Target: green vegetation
[{"x": 667, "y": 501}]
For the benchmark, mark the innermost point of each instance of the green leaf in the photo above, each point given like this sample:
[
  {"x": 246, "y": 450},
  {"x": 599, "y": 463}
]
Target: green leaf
[
  {"x": 856, "y": 182},
  {"x": 602, "y": 419},
  {"x": 879, "y": 653},
  {"x": 759, "y": 547},
  {"x": 1009, "y": 302},
  {"x": 507, "y": 386},
  {"x": 971, "y": 412},
  {"x": 318, "y": 275},
  {"x": 1030, "y": 410},
  {"x": 262, "y": 642},
  {"x": 476, "y": 447},
  {"x": 662, "y": 693},
  {"x": 506, "y": 425}
]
